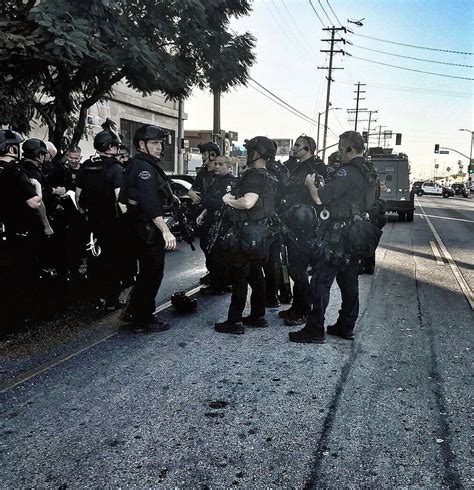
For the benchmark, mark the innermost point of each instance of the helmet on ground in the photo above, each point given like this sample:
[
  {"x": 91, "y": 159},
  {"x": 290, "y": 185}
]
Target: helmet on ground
[
  {"x": 183, "y": 303},
  {"x": 149, "y": 132},
  {"x": 203, "y": 147},
  {"x": 301, "y": 219},
  {"x": 105, "y": 139},
  {"x": 34, "y": 147},
  {"x": 263, "y": 145},
  {"x": 8, "y": 137}
]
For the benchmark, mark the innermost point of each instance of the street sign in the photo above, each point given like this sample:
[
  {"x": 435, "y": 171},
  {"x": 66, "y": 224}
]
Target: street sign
[{"x": 444, "y": 152}]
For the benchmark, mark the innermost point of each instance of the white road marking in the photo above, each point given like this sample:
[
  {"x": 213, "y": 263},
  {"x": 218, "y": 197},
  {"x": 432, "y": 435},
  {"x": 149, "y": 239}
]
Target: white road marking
[
  {"x": 33, "y": 373},
  {"x": 457, "y": 273},
  {"x": 434, "y": 248},
  {"x": 445, "y": 217}
]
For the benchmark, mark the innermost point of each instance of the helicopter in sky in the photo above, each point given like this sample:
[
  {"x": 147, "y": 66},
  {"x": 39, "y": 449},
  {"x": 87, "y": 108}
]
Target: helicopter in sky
[{"x": 356, "y": 22}]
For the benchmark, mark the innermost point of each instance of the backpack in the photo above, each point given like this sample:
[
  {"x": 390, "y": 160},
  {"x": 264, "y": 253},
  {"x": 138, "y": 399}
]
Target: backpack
[
  {"x": 370, "y": 183},
  {"x": 98, "y": 197}
]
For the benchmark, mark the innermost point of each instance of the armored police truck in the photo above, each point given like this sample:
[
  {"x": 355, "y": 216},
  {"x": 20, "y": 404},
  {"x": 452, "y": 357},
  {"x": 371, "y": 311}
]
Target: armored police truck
[{"x": 393, "y": 171}]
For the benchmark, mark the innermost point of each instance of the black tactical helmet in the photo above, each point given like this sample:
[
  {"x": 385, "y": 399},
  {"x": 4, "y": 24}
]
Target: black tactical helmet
[
  {"x": 105, "y": 139},
  {"x": 149, "y": 132},
  {"x": 334, "y": 158},
  {"x": 8, "y": 137},
  {"x": 34, "y": 147},
  {"x": 203, "y": 147},
  {"x": 263, "y": 145},
  {"x": 301, "y": 219},
  {"x": 183, "y": 303}
]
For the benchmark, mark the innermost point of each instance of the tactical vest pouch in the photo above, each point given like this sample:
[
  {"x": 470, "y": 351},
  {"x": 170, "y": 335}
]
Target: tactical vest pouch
[
  {"x": 250, "y": 237},
  {"x": 363, "y": 238}
]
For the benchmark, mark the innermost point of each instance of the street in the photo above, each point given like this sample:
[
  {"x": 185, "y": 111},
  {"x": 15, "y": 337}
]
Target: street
[{"x": 190, "y": 408}]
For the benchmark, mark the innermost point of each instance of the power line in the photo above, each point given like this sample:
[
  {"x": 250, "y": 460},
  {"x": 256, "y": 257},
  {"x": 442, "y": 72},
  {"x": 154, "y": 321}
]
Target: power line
[
  {"x": 409, "y": 69},
  {"x": 305, "y": 118},
  {"x": 296, "y": 25},
  {"x": 325, "y": 13},
  {"x": 316, "y": 12},
  {"x": 412, "y": 45},
  {"x": 282, "y": 101},
  {"x": 285, "y": 105},
  {"x": 416, "y": 90},
  {"x": 411, "y": 57},
  {"x": 332, "y": 10}
]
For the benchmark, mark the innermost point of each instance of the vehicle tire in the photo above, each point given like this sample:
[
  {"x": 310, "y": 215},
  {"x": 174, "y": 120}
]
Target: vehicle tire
[
  {"x": 410, "y": 215},
  {"x": 445, "y": 195},
  {"x": 419, "y": 193},
  {"x": 401, "y": 216}
]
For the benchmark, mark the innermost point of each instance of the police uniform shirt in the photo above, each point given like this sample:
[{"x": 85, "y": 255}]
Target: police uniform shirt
[
  {"x": 113, "y": 176},
  {"x": 203, "y": 180},
  {"x": 146, "y": 181},
  {"x": 296, "y": 191},
  {"x": 64, "y": 176},
  {"x": 344, "y": 189},
  {"x": 34, "y": 172},
  {"x": 15, "y": 189},
  {"x": 212, "y": 199}
]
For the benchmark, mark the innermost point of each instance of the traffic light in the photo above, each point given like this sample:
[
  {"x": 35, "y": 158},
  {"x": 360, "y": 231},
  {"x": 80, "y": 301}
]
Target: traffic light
[
  {"x": 470, "y": 168},
  {"x": 398, "y": 138},
  {"x": 436, "y": 149},
  {"x": 365, "y": 135}
]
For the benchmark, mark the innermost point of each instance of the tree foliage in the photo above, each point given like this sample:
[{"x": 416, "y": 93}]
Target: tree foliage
[{"x": 60, "y": 57}]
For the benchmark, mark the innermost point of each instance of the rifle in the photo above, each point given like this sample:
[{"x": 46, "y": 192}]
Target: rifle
[
  {"x": 178, "y": 217},
  {"x": 215, "y": 230}
]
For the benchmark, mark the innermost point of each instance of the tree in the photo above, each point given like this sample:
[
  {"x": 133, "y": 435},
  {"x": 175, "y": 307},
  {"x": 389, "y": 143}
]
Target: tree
[{"x": 60, "y": 57}]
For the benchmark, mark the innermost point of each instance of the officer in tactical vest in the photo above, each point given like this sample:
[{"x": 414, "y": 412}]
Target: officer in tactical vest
[
  {"x": 144, "y": 192},
  {"x": 19, "y": 205},
  {"x": 34, "y": 155},
  {"x": 250, "y": 236},
  {"x": 215, "y": 219},
  {"x": 209, "y": 152},
  {"x": 297, "y": 208},
  {"x": 97, "y": 189},
  {"x": 343, "y": 196}
]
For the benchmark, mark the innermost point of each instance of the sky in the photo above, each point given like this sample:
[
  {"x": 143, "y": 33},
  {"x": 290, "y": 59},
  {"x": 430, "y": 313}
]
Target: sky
[{"x": 427, "y": 109}]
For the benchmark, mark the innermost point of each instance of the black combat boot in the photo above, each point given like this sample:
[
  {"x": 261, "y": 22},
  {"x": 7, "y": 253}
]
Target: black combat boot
[
  {"x": 308, "y": 335},
  {"x": 255, "y": 321},
  {"x": 229, "y": 327},
  {"x": 286, "y": 313},
  {"x": 294, "y": 319},
  {"x": 340, "y": 331}
]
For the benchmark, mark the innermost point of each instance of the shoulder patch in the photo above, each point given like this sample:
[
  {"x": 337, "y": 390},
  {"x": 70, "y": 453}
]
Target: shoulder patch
[
  {"x": 144, "y": 175},
  {"x": 342, "y": 172}
]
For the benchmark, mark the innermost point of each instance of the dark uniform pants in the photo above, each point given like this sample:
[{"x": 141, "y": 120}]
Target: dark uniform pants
[
  {"x": 150, "y": 252},
  {"x": 298, "y": 263},
  {"x": 246, "y": 270},
  {"x": 347, "y": 279},
  {"x": 272, "y": 268}
]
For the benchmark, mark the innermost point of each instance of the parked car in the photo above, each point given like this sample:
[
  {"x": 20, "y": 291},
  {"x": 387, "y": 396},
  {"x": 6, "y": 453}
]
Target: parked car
[
  {"x": 460, "y": 189},
  {"x": 417, "y": 186},
  {"x": 434, "y": 189}
]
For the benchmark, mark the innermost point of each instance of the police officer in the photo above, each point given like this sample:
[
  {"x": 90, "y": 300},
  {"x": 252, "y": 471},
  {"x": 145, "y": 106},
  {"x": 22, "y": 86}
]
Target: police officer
[
  {"x": 216, "y": 221},
  {"x": 144, "y": 192},
  {"x": 295, "y": 199},
  {"x": 34, "y": 155},
  {"x": 250, "y": 236},
  {"x": 19, "y": 205},
  {"x": 343, "y": 197},
  {"x": 209, "y": 152},
  {"x": 97, "y": 189}
]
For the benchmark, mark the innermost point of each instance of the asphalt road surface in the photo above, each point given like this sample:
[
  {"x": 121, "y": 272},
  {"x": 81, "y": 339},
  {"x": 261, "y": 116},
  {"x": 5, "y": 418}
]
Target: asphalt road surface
[{"x": 193, "y": 408}]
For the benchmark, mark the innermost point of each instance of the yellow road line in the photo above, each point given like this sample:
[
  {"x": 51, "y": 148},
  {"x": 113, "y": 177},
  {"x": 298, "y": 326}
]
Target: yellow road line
[{"x": 435, "y": 250}]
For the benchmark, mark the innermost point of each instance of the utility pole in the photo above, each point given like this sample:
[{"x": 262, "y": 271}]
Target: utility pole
[
  {"x": 331, "y": 52},
  {"x": 180, "y": 137},
  {"x": 368, "y": 128},
  {"x": 216, "y": 131},
  {"x": 357, "y": 99}
]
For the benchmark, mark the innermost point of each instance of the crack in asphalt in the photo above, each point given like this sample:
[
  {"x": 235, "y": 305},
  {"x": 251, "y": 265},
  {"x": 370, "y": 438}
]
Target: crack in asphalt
[{"x": 451, "y": 477}]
